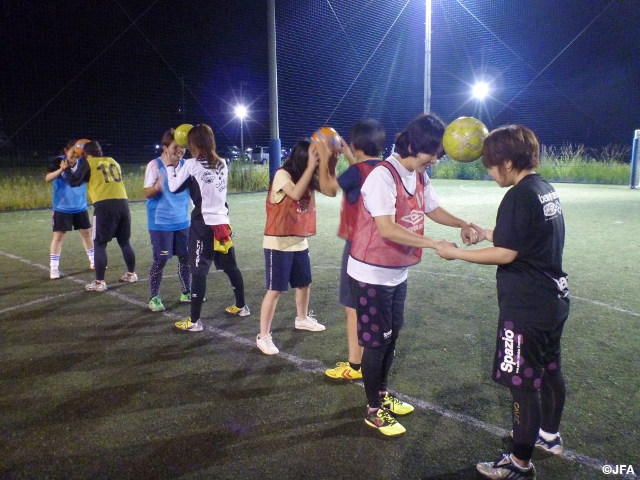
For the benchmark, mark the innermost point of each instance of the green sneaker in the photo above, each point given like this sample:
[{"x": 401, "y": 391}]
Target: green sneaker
[
  {"x": 155, "y": 304},
  {"x": 396, "y": 406}
]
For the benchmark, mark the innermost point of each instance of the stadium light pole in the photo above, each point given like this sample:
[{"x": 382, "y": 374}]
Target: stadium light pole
[
  {"x": 241, "y": 113},
  {"x": 427, "y": 58}
]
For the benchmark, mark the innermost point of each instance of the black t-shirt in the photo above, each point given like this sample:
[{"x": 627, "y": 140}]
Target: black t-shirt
[{"x": 530, "y": 222}]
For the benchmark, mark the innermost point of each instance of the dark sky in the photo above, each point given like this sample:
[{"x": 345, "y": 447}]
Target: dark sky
[{"x": 124, "y": 71}]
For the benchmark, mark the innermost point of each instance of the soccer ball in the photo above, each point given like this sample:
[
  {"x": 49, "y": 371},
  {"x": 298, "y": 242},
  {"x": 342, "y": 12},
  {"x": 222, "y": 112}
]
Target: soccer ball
[
  {"x": 464, "y": 138},
  {"x": 180, "y": 134},
  {"x": 333, "y": 138},
  {"x": 79, "y": 146}
]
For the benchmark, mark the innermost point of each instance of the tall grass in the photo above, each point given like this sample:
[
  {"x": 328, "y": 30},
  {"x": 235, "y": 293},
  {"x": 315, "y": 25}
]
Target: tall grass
[{"x": 25, "y": 188}]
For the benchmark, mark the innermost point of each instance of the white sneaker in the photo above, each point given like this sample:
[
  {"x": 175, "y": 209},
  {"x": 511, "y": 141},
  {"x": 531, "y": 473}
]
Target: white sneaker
[
  {"x": 129, "y": 277},
  {"x": 309, "y": 323},
  {"x": 54, "y": 274},
  {"x": 265, "y": 344},
  {"x": 96, "y": 286}
]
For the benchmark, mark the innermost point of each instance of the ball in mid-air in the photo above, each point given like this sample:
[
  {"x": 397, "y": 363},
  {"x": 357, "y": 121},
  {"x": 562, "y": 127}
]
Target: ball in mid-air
[
  {"x": 333, "y": 138},
  {"x": 180, "y": 134},
  {"x": 79, "y": 146},
  {"x": 464, "y": 138}
]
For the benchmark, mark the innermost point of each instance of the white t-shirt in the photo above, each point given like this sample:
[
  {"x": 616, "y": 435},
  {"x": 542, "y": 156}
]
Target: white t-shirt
[
  {"x": 151, "y": 174},
  {"x": 379, "y": 197}
]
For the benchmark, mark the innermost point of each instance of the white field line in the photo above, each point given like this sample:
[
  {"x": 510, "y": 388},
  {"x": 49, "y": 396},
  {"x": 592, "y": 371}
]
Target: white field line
[{"x": 315, "y": 366}]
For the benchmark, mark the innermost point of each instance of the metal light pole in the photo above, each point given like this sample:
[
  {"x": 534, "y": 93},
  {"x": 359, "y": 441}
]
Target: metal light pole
[{"x": 241, "y": 112}]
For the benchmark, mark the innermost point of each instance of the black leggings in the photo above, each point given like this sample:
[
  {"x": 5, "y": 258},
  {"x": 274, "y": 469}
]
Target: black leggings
[
  {"x": 100, "y": 257},
  {"x": 376, "y": 363},
  {"x": 535, "y": 409}
]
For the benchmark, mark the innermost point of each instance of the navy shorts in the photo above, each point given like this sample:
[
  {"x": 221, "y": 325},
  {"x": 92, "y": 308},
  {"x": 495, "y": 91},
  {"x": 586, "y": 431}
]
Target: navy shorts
[
  {"x": 525, "y": 350},
  {"x": 111, "y": 219},
  {"x": 347, "y": 293},
  {"x": 65, "y": 222},
  {"x": 167, "y": 244},
  {"x": 380, "y": 312},
  {"x": 286, "y": 268}
]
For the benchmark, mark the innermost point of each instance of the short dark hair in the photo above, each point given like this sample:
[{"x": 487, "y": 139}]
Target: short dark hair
[
  {"x": 511, "y": 142},
  {"x": 167, "y": 137},
  {"x": 423, "y": 135},
  {"x": 93, "y": 148},
  {"x": 369, "y": 136}
]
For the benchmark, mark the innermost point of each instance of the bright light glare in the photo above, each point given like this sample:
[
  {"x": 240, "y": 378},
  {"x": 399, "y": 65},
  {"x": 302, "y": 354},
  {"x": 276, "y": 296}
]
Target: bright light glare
[
  {"x": 480, "y": 90},
  {"x": 241, "y": 111}
]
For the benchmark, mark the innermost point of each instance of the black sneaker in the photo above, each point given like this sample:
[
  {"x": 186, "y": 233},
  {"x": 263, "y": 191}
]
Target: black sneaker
[{"x": 504, "y": 467}]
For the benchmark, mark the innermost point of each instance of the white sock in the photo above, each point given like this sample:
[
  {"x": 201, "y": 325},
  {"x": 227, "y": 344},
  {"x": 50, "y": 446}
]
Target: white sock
[
  {"x": 90, "y": 253},
  {"x": 513, "y": 460},
  {"x": 548, "y": 436},
  {"x": 54, "y": 260}
]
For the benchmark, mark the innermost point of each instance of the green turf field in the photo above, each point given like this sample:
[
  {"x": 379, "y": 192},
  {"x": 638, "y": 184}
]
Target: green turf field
[{"x": 94, "y": 385}]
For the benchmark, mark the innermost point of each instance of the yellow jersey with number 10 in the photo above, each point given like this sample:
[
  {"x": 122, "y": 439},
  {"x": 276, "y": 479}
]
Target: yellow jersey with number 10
[{"x": 105, "y": 182}]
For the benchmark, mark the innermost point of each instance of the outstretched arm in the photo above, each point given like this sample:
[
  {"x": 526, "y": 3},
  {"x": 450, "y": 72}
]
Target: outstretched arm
[
  {"x": 326, "y": 167},
  {"x": 468, "y": 234}
]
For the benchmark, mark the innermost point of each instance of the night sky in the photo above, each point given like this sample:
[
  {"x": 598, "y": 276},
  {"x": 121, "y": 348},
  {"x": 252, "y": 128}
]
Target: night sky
[{"x": 123, "y": 72}]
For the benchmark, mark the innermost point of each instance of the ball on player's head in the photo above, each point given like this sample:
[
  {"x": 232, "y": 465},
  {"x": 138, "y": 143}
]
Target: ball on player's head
[
  {"x": 330, "y": 135},
  {"x": 78, "y": 148},
  {"x": 464, "y": 138},
  {"x": 180, "y": 134}
]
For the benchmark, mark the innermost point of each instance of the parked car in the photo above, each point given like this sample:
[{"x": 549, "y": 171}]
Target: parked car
[
  {"x": 260, "y": 154},
  {"x": 231, "y": 153}
]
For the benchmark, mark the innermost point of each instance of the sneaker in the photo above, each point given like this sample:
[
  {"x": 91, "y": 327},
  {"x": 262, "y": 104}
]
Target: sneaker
[
  {"x": 505, "y": 467},
  {"x": 309, "y": 323},
  {"x": 155, "y": 304},
  {"x": 96, "y": 286},
  {"x": 554, "y": 446},
  {"x": 343, "y": 370},
  {"x": 129, "y": 278},
  {"x": 396, "y": 406},
  {"x": 265, "y": 344},
  {"x": 185, "y": 298},
  {"x": 54, "y": 274},
  {"x": 188, "y": 325},
  {"x": 384, "y": 422},
  {"x": 241, "y": 312}
]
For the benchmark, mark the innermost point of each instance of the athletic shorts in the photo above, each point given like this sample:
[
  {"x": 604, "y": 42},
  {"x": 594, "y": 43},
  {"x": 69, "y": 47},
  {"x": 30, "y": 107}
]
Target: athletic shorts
[
  {"x": 111, "y": 219},
  {"x": 380, "y": 312},
  {"x": 65, "y": 222},
  {"x": 525, "y": 350},
  {"x": 286, "y": 268},
  {"x": 167, "y": 244},
  {"x": 202, "y": 254},
  {"x": 347, "y": 294}
]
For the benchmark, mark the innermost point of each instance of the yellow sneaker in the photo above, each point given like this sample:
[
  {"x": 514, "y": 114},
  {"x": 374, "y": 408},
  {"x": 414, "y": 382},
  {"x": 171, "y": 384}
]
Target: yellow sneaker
[
  {"x": 241, "y": 312},
  {"x": 384, "y": 422},
  {"x": 396, "y": 406},
  {"x": 188, "y": 325},
  {"x": 343, "y": 370}
]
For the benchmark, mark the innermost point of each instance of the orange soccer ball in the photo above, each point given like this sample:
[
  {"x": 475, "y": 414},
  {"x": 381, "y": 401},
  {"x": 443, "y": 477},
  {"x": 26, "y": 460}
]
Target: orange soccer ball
[
  {"x": 329, "y": 134},
  {"x": 79, "y": 146}
]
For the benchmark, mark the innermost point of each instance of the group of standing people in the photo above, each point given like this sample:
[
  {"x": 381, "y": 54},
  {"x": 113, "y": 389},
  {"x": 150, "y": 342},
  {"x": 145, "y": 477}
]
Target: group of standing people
[{"x": 382, "y": 221}]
